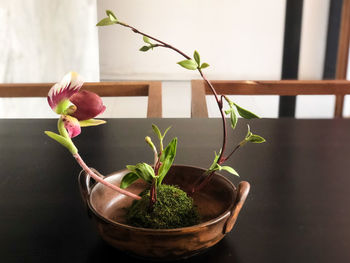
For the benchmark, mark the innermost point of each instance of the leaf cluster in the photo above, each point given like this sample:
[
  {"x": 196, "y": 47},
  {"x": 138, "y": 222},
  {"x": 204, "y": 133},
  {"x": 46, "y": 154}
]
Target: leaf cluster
[
  {"x": 145, "y": 171},
  {"x": 193, "y": 64},
  {"x": 149, "y": 46},
  {"x": 111, "y": 19},
  {"x": 253, "y": 138},
  {"x": 216, "y": 167},
  {"x": 246, "y": 114}
]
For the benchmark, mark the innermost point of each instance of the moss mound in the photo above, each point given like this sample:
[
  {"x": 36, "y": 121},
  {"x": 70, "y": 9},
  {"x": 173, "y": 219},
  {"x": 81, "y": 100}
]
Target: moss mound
[{"x": 173, "y": 209}]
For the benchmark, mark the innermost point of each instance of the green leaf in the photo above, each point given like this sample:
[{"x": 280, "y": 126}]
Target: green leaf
[
  {"x": 246, "y": 114},
  {"x": 157, "y": 131},
  {"x": 196, "y": 57},
  {"x": 256, "y": 139},
  {"x": 145, "y": 48},
  {"x": 131, "y": 168},
  {"x": 91, "y": 122},
  {"x": 128, "y": 179},
  {"x": 167, "y": 129},
  {"x": 111, "y": 16},
  {"x": 253, "y": 138},
  {"x": 143, "y": 171},
  {"x": 214, "y": 164},
  {"x": 188, "y": 64},
  {"x": 233, "y": 118},
  {"x": 146, "y": 40},
  {"x": 66, "y": 142},
  {"x": 204, "y": 65},
  {"x": 248, "y": 132},
  {"x": 106, "y": 22},
  {"x": 167, "y": 158},
  {"x": 229, "y": 169}
]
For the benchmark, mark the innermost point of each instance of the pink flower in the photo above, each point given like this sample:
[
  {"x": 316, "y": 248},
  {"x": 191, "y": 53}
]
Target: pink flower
[{"x": 77, "y": 108}]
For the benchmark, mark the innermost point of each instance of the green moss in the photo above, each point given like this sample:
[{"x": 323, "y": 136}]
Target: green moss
[{"x": 173, "y": 209}]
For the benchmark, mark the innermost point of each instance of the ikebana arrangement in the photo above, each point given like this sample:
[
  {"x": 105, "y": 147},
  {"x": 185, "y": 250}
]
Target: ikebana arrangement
[{"x": 158, "y": 205}]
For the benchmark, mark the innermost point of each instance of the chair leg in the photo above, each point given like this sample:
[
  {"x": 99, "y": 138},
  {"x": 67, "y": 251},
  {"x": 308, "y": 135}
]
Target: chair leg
[{"x": 199, "y": 107}]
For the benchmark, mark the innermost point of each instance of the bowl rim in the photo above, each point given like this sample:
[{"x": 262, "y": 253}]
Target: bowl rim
[{"x": 193, "y": 228}]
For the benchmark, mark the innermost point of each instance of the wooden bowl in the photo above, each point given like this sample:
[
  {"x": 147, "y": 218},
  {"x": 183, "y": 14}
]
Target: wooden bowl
[{"x": 219, "y": 204}]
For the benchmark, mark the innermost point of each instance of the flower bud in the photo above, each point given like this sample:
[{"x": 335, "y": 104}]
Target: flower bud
[{"x": 148, "y": 140}]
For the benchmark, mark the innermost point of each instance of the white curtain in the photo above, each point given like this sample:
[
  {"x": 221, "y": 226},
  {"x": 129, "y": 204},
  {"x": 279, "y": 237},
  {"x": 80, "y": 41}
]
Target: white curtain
[{"x": 41, "y": 40}]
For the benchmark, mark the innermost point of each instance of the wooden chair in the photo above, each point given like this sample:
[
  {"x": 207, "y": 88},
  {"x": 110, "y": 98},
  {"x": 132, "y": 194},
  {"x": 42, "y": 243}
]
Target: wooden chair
[
  {"x": 275, "y": 87},
  {"x": 152, "y": 89}
]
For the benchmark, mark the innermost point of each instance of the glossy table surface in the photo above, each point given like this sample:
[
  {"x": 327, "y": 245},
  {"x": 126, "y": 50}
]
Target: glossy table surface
[{"x": 297, "y": 211}]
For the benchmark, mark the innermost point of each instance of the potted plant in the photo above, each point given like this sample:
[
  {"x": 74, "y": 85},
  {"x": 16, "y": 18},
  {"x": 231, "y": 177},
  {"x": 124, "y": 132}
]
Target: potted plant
[{"x": 158, "y": 210}]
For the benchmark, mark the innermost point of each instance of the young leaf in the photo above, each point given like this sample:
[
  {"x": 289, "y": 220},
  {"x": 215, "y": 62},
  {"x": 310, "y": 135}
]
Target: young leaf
[
  {"x": 63, "y": 141},
  {"x": 245, "y": 113},
  {"x": 256, "y": 139},
  {"x": 128, "y": 179},
  {"x": 196, "y": 57},
  {"x": 233, "y": 118},
  {"x": 249, "y": 133},
  {"x": 188, "y": 64},
  {"x": 167, "y": 158},
  {"x": 145, "y": 48},
  {"x": 167, "y": 129},
  {"x": 131, "y": 168},
  {"x": 157, "y": 131},
  {"x": 111, "y": 16},
  {"x": 143, "y": 171},
  {"x": 214, "y": 164},
  {"x": 146, "y": 40},
  {"x": 106, "y": 22},
  {"x": 204, "y": 65},
  {"x": 230, "y": 170}
]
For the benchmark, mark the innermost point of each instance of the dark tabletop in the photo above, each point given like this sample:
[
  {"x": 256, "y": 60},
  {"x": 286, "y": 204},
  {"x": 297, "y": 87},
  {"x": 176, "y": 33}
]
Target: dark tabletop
[{"x": 297, "y": 211}]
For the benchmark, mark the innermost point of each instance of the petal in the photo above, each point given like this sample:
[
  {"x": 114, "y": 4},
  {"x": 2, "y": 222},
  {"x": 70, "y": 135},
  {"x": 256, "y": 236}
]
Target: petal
[
  {"x": 59, "y": 94},
  {"x": 91, "y": 122},
  {"x": 72, "y": 125},
  {"x": 89, "y": 105}
]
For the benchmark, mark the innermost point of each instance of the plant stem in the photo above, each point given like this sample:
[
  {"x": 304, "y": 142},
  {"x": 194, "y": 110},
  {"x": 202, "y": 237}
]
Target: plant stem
[
  {"x": 155, "y": 39},
  {"x": 101, "y": 180},
  {"x": 219, "y": 102},
  {"x": 153, "y": 195}
]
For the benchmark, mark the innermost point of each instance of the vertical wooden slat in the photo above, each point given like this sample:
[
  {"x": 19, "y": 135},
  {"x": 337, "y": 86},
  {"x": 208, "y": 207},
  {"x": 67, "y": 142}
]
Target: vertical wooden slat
[
  {"x": 154, "y": 108},
  {"x": 198, "y": 101},
  {"x": 343, "y": 54}
]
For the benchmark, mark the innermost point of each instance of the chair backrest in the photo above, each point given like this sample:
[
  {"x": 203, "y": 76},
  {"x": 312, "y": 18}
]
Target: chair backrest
[
  {"x": 274, "y": 87},
  {"x": 152, "y": 89}
]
